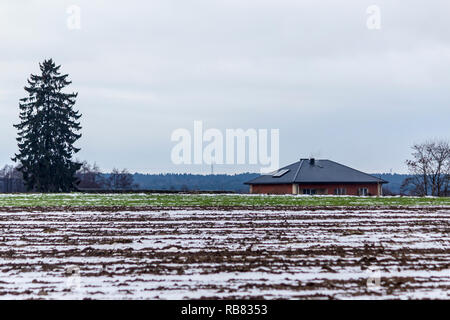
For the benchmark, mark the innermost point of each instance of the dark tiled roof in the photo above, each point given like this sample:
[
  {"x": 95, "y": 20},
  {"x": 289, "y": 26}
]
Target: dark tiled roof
[{"x": 321, "y": 171}]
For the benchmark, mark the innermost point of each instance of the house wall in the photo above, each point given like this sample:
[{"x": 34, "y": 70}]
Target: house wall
[
  {"x": 271, "y": 188},
  {"x": 352, "y": 189}
]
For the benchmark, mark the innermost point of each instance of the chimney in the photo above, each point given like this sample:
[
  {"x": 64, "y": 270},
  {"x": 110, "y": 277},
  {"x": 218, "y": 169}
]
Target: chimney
[{"x": 312, "y": 161}]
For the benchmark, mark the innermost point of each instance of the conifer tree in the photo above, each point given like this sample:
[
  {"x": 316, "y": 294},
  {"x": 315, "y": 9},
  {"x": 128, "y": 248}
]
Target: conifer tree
[{"x": 47, "y": 131}]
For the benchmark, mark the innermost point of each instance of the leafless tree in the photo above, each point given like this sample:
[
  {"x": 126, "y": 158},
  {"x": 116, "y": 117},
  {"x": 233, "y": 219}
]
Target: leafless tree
[
  {"x": 10, "y": 172},
  {"x": 90, "y": 176},
  {"x": 120, "y": 180},
  {"x": 430, "y": 169}
]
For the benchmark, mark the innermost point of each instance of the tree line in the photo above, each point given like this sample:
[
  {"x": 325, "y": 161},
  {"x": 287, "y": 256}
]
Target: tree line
[
  {"x": 88, "y": 177},
  {"x": 195, "y": 182}
]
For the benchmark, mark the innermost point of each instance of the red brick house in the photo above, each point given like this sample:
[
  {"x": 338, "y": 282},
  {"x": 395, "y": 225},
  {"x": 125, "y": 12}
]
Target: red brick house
[{"x": 322, "y": 177}]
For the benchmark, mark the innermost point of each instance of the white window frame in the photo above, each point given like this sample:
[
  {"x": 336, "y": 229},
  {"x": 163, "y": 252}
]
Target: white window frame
[
  {"x": 310, "y": 191},
  {"x": 363, "y": 192}
]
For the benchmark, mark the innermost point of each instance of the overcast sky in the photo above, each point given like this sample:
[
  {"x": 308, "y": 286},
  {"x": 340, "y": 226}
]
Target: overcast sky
[{"x": 312, "y": 69}]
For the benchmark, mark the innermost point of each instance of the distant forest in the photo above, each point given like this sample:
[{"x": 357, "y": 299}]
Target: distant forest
[{"x": 194, "y": 182}]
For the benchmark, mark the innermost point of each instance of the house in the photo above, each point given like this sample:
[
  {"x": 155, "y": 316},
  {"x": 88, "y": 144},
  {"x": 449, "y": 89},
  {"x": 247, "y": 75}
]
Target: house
[{"x": 321, "y": 177}]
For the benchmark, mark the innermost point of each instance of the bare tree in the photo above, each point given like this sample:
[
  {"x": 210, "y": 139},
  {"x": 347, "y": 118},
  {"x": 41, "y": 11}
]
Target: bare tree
[
  {"x": 90, "y": 176},
  {"x": 10, "y": 172},
  {"x": 120, "y": 180},
  {"x": 430, "y": 169},
  {"x": 413, "y": 186}
]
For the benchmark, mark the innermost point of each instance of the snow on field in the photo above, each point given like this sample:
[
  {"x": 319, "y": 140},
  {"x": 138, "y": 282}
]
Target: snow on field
[
  {"x": 178, "y": 254},
  {"x": 210, "y": 200}
]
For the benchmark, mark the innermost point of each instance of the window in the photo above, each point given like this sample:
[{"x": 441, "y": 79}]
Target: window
[
  {"x": 340, "y": 191},
  {"x": 363, "y": 192},
  {"x": 309, "y": 191}
]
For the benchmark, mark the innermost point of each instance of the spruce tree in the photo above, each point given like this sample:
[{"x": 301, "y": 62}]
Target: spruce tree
[{"x": 48, "y": 129}]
